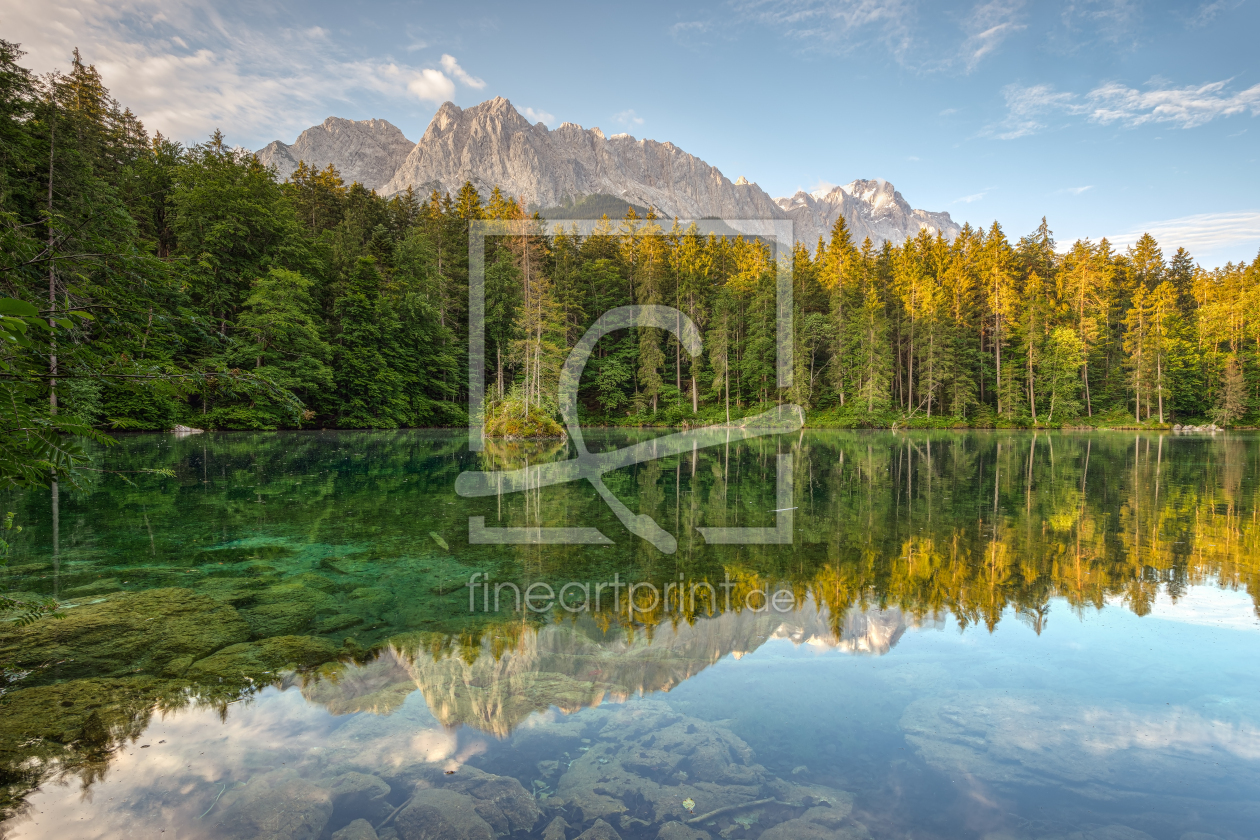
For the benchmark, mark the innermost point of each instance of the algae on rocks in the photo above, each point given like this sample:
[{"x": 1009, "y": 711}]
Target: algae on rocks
[{"x": 158, "y": 631}]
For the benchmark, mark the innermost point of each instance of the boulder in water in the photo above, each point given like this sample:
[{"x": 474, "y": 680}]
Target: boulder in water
[
  {"x": 436, "y": 814},
  {"x": 277, "y": 806}
]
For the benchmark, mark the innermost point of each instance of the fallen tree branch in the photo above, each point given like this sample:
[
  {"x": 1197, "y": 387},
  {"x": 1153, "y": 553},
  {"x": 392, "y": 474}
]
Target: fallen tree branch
[{"x": 730, "y": 808}]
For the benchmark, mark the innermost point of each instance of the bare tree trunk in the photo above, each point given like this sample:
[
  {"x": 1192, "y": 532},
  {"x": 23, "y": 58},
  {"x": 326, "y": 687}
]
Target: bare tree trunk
[
  {"x": 997, "y": 349},
  {"x": 1089, "y": 409},
  {"x": 1159, "y": 383},
  {"x": 1032, "y": 385},
  {"x": 52, "y": 263}
]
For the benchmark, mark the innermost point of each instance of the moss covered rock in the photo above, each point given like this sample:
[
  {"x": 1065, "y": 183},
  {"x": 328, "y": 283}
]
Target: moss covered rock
[
  {"x": 239, "y": 592},
  {"x": 259, "y": 661},
  {"x": 286, "y": 609},
  {"x": 159, "y": 632}
]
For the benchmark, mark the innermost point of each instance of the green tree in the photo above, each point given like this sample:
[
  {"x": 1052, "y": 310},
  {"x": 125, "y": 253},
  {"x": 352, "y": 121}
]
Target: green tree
[
  {"x": 1232, "y": 403},
  {"x": 1059, "y": 373},
  {"x": 281, "y": 337}
]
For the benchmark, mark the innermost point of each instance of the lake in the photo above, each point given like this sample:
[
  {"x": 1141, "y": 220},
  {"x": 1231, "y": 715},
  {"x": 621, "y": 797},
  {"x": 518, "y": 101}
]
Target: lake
[{"x": 849, "y": 634}]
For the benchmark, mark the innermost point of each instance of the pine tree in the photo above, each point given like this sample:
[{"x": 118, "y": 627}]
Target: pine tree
[
  {"x": 1146, "y": 262},
  {"x": 1232, "y": 403}
]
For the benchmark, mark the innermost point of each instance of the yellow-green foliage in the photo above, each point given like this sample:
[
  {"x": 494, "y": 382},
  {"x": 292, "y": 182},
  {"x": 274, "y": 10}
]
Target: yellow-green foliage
[{"x": 512, "y": 420}]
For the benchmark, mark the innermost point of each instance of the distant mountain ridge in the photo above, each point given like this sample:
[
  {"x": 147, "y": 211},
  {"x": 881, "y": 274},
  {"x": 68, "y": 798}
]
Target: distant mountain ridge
[{"x": 491, "y": 145}]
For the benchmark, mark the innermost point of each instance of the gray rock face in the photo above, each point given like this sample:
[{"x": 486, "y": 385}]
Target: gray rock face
[
  {"x": 491, "y": 145},
  {"x": 870, "y": 208},
  {"x": 367, "y": 151}
]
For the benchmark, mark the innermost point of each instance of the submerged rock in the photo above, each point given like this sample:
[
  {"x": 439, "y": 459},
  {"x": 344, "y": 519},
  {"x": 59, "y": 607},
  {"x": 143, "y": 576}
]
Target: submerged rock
[
  {"x": 653, "y": 772},
  {"x": 678, "y": 831},
  {"x": 358, "y": 796},
  {"x": 286, "y": 608},
  {"x": 807, "y": 829},
  {"x": 357, "y": 830},
  {"x": 276, "y": 806},
  {"x": 261, "y": 661},
  {"x": 556, "y": 829},
  {"x": 637, "y": 756},
  {"x": 159, "y": 631},
  {"x": 436, "y": 814},
  {"x": 599, "y": 831},
  {"x": 500, "y": 800}
]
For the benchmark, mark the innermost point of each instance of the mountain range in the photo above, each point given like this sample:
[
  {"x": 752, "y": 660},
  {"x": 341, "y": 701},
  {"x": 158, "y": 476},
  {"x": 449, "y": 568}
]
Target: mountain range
[{"x": 491, "y": 145}]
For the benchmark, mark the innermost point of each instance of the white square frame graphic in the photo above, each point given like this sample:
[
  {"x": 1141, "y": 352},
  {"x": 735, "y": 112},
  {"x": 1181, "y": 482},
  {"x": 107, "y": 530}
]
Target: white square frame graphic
[
  {"x": 777, "y": 230},
  {"x": 779, "y": 233}
]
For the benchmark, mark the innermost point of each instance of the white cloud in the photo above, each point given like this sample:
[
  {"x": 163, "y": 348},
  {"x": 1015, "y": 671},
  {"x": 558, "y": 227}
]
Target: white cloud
[
  {"x": 837, "y": 24},
  {"x": 987, "y": 26},
  {"x": 432, "y": 86},
  {"x": 186, "y": 67},
  {"x": 690, "y": 31},
  {"x": 1076, "y": 190},
  {"x": 1088, "y": 21},
  {"x": 967, "y": 199},
  {"x": 920, "y": 36},
  {"x": 450, "y": 65},
  {"x": 1205, "y": 233},
  {"x": 538, "y": 116},
  {"x": 1208, "y": 12},
  {"x": 1185, "y": 107},
  {"x": 628, "y": 117},
  {"x": 1026, "y": 106}
]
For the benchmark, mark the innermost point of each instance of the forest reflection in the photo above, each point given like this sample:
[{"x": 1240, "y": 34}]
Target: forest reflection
[
  {"x": 969, "y": 524},
  {"x": 319, "y": 557}
]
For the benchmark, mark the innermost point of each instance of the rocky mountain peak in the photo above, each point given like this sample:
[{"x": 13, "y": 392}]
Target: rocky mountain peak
[
  {"x": 492, "y": 144},
  {"x": 367, "y": 151},
  {"x": 872, "y": 208}
]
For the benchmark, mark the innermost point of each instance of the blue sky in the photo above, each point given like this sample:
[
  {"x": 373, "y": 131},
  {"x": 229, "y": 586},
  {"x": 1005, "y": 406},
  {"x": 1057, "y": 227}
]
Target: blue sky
[{"x": 1109, "y": 118}]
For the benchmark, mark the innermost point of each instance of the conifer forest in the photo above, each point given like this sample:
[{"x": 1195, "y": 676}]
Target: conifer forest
[{"x": 149, "y": 283}]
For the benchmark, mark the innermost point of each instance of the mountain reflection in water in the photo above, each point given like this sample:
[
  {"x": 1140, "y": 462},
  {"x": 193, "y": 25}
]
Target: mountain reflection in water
[
  {"x": 277, "y": 642},
  {"x": 575, "y": 665}
]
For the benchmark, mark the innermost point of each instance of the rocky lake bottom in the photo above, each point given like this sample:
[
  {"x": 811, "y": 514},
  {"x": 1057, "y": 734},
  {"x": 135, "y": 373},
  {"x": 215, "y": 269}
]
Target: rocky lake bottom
[{"x": 290, "y": 650}]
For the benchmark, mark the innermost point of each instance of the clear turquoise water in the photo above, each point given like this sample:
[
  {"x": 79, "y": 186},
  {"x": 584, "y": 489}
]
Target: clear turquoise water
[{"x": 1075, "y": 654}]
